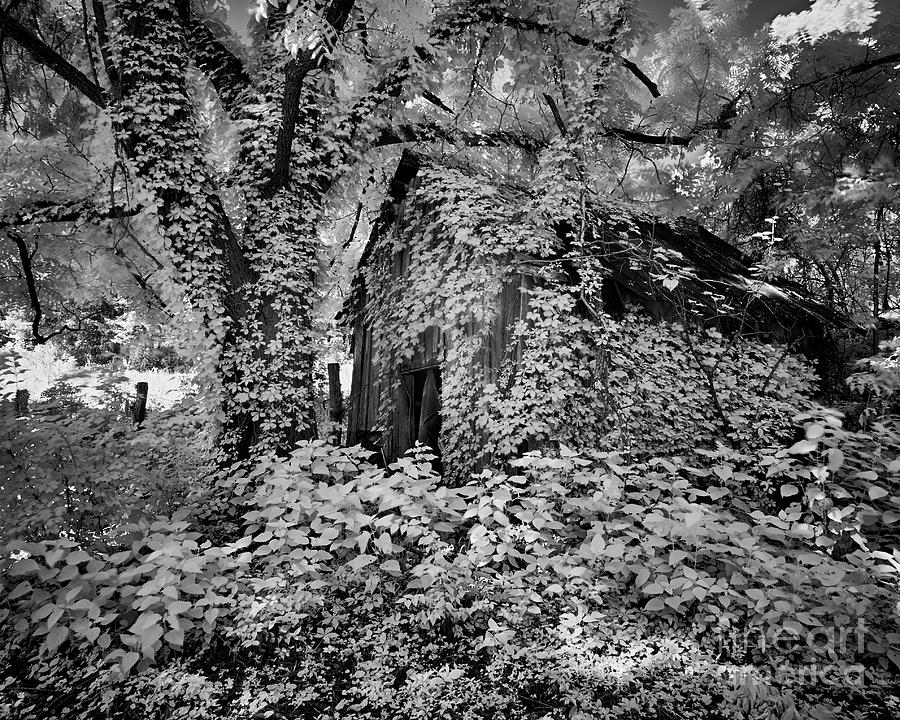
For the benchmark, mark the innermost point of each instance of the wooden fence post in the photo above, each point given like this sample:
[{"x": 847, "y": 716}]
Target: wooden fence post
[
  {"x": 139, "y": 408},
  {"x": 335, "y": 402},
  {"x": 21, "y": 402}
]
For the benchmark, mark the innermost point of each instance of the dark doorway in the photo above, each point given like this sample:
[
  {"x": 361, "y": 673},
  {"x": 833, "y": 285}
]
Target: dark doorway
[{"x": 421, "y": 409}]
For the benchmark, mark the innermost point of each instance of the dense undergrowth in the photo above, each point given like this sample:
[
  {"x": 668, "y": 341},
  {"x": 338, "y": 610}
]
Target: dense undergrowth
[
  {"x": 581, "y": 587},
  {"x": 727, "y": 582}
]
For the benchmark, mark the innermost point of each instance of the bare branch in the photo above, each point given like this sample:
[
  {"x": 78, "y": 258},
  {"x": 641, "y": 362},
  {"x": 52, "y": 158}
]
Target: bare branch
[
  {"x": 446, "y": 29},
  {"x": 876, "y": 62},
  {"x": 557, "y": 118},
  {"x": 132, "y": 270},
  {"x": 641, "y": 137},
  {"x": 432, "y": 132},
  {"x": 641, "y": 76},
  {"x": 436, "y": 101},
  {"x": 497, "y": 16}
]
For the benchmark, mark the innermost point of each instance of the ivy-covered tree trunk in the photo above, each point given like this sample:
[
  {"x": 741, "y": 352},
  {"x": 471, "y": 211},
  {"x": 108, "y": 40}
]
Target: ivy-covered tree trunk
[
  {"x": 250, "y": 280},
  {"x": 251, "y": 295}
]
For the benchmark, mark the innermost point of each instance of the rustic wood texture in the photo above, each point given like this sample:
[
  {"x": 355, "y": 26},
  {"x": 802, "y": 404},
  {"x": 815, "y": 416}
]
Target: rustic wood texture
[
  {"x": 21, "y": 406},
  {"x": 139, "y": 406},
  {"x": 335, "y": 402},
  {"x": 386, "y": 398}
]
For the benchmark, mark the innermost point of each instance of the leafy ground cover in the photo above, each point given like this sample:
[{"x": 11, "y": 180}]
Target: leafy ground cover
[{"x": 570, "y": 586}]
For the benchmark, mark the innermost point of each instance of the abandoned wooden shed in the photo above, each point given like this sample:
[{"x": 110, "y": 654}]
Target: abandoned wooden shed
[{"x": 461, "y": 262}]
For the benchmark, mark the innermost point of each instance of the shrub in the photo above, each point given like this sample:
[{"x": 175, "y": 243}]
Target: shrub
[
  {"x": 578, "y": 586},
  {"x": 76, "y": 471}
]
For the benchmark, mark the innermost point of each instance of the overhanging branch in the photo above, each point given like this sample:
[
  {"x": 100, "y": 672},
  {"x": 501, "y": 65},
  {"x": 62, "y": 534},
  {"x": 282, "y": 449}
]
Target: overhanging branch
[
  {"x": 432, "y": 132},
  {"x": 497, "y": 16},
  {"x": 557, "y": 117},
  {"x": 876, "y": 62},
  {"x": 208, "y": 50},
  {"x": 436, "y": 101},
  {"x": 647, "y": 139},
  {"x": 46, "y": 211},
  {"x": 641, "y": 76},
  {"x": 447, "y": 28},
  {"x": 47, "y": 56}
]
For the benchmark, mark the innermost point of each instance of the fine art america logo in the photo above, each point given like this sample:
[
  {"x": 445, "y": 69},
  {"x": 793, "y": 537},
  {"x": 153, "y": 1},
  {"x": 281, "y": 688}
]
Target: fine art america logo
[{"x": 835, "y": 651}]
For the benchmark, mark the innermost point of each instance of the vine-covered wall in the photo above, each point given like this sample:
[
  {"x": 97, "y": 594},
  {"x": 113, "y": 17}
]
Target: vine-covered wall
[{"x": 472, "y": 275}]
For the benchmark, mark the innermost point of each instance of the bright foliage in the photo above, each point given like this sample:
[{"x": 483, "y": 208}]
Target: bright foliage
[
  {"x": 373, "y": 590},
  {"x": 668, "y": 508}
]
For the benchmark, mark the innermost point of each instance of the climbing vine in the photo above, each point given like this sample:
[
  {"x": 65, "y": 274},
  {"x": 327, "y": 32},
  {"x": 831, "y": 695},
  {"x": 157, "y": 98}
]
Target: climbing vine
[
  {"x": 530, "y": 356},
  {"x": 250, "y": 290},
  {"x": 156, "y": 127}
]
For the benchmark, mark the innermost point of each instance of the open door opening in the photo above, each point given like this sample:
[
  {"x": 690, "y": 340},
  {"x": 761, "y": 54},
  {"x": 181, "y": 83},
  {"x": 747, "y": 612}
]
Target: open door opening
[{"x": 421, "y": 416}]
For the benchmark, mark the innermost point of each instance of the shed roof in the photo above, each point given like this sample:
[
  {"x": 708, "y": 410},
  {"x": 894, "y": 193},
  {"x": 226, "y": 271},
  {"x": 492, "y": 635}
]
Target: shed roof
[{"x": 677, "y": 261}]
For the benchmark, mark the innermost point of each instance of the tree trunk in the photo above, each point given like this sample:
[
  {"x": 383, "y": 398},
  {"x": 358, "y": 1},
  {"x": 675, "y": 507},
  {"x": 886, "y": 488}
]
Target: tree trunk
[{"x": 250, "y": 297}]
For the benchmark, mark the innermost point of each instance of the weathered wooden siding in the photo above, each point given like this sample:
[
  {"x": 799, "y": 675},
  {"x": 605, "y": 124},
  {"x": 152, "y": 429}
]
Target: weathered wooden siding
[
  {"x": 382, "y": 383},
  {"x": 361, "y": 391},
  {"x": 715, "y": 285}
]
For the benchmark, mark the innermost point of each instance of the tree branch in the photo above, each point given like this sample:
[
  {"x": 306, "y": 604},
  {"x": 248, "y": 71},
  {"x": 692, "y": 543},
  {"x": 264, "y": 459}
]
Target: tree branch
[
  {"x": 646, "y": 139},
  {"x": 112, "y": 72},
  {"x": 445, "y": 29},
  {"x": 28, "y": 272},
  {"x": 721, "y": 123},
  {"x": 436, "y": 101},
  {"x": 298, "y": 69},
  {"x": 224, "y": 69},
  {"x": 641, "y": 76},
  {"x": 45, "y": 55},
  {"x": 46, "y": 211},
  {"x": 432, "y": 132},
  {"x": 498, "y": 17},
  {"x": 856, "y": 69},
  {"x": 727, "y": 427},
  {"x": 863, "y": 66},
  {"x": 132, "y": 270},
  {"x": 557, "y": 118}
]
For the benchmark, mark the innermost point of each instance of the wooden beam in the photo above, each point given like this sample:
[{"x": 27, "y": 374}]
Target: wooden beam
[{"x": 335, "y": 403}]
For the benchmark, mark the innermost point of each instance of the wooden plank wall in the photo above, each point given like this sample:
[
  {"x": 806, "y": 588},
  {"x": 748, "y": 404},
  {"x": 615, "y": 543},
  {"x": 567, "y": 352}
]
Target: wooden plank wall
[
  {"x": 404, "y": 435},
  {"x": 379, "y": 380},
  {"x": 355, "y": 424}
]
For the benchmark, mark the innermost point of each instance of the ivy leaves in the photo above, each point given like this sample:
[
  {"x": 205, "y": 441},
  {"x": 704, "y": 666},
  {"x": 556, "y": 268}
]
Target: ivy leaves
[{"x": 555, "y": 545}]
